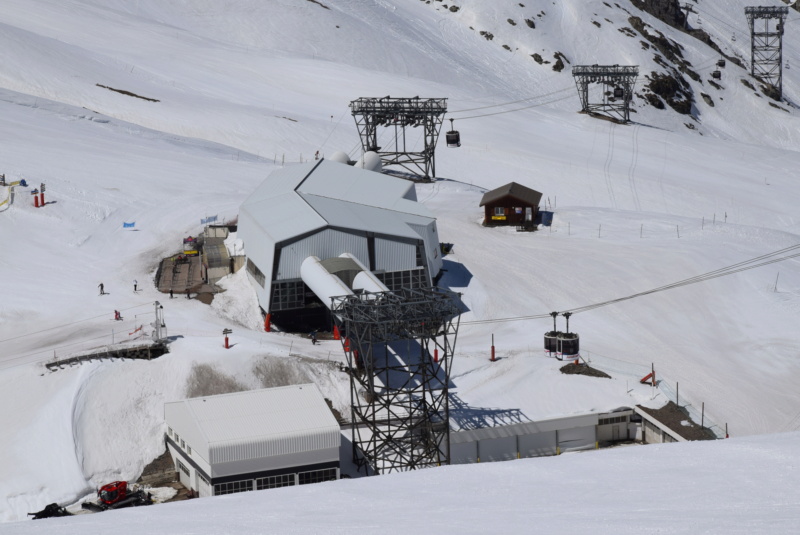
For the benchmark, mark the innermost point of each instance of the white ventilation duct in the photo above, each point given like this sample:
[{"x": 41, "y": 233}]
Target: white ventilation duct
[
  {"x": 365, "y": 280},
  {"x": 323, "y": 284}
]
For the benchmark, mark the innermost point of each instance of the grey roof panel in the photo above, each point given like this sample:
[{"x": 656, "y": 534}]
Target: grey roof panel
[{"x": 262, "y": 423}]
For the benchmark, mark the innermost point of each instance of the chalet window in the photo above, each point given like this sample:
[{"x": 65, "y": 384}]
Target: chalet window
[{"x": 499, "y": 210}]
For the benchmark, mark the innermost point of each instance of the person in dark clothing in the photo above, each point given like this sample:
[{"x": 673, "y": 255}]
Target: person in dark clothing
[
  {"x": 171, "y": 296},
  {"x": 187, "y": 293},
  {"x": 313, "y": 336},
  {"x": 135, "y": 284},
  {"x": 101, "y": 288}
]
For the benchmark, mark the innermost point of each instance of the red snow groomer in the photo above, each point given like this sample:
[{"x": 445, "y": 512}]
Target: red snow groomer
[{"x": 116, "y": 496}]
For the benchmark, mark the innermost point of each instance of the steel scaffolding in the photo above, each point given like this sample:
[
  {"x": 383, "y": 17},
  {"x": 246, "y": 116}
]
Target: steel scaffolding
[
  {"x": 616, "y": 100},
  {"x": 399, "y": 114},
  {"x": 766, "y": 47},
  {"x": 399, "y": 348}
]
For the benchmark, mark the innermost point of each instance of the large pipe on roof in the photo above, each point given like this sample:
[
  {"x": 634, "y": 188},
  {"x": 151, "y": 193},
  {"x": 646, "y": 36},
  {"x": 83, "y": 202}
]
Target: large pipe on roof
[
  {"x": 365, "y": 280},
  {"x": 323, "y": 284}
]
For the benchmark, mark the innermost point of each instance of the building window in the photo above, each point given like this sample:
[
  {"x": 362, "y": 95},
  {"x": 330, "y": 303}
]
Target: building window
[
  {"x": 233, "y": 487},
  {"x": 183, "y": 468},
  {"x": 609, "y": 421},
  {"x": 189, "y": 450},
  {"x": 183, "y": 444},
  {"x": 177, "y": 439},
  {"x": 169, "y": 431},
  {"x": 256, "y": 273},
  {"x": 499, "y": 210},
  {"x": 317, "y": 476},
  {"x": 287, "y": 295},
  {"x": 275, "y": 482}
]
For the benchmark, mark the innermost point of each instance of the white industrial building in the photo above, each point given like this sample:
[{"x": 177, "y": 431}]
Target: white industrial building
[
  {"x": 261, "y": 439},
  {"x": 352, "y": 220}
]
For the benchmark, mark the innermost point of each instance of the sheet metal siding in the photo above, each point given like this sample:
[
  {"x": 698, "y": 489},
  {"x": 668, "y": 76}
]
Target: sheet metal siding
[
  {"x": 431, "y": 239},
  {"x": 260, "y": 447},
  {"x": 325, "y": 244},
  {"x": 266, "y": 422},
  {"x": 178, "y": 416},
  {"x": 259, "y": 247},
  {"x": 394, "y": 256},
  {"x": 525, "y": 428},
  {"x": 582, "y": 438}
]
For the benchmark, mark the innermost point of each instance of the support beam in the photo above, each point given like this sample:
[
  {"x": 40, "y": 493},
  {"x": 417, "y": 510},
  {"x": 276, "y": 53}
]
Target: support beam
[
  {"x": 396, "y": 115},
  {"x": 617, "y": 85},
  {"x": 766, "y": 44},
  {"x": 399, "y": 348}
]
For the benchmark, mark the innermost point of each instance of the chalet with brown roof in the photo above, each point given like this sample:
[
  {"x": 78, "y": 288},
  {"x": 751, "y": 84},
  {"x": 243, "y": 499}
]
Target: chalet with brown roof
[{"x": 512, "y": 204}]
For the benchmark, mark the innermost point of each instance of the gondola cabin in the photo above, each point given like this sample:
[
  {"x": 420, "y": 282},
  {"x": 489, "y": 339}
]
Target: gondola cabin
[
  {"x": 717, "y": 75},
  {"x": 619, "y": 92},
  {"x": 512, "y": 204},
  {"x": 453, "y": 137}
]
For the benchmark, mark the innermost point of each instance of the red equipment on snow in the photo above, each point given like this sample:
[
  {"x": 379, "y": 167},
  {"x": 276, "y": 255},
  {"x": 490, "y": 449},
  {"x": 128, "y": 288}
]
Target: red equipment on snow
[{"x": 116, "y": 496}]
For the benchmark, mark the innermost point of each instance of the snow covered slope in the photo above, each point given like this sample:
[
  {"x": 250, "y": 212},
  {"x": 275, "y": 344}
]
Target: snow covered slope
[
  {"x": 746, "y": 485},
  {"x": 231, "y": 90}
]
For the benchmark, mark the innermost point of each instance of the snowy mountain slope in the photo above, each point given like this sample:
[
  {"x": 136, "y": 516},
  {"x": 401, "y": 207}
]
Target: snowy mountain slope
[
  {"x": 746, "y": 485},
  {"x": 232, "y": 97},
  {"x": 238, "y": 63}
]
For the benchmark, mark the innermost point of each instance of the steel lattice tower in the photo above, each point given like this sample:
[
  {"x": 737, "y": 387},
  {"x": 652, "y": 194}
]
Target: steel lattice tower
[
  {"x": 766, "y": 47},
  {"x": 616, "y": 101},
  {"x": 398, "y": 114},
  {"x": 399, "y": 349}
]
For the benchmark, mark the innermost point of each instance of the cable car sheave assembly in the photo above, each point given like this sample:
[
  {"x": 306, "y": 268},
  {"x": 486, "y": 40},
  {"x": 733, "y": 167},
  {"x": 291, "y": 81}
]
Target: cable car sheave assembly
[{"x": 399, "y": 114}]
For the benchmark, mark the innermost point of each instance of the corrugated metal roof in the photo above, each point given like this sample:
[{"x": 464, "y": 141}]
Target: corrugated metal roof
[
  {"x": 262, "y": 423},
  {"x": 512, "y": 189},
  {"x": 351, "y": 215},
  {"x": 302, "y": 198}
]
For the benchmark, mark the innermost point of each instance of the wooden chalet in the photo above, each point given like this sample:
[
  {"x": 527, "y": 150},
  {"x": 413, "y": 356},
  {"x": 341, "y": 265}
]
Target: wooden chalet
[{"x": 512, "y": 204}]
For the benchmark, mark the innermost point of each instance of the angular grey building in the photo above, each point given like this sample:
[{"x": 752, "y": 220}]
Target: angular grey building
[{"x": 326, "y": 209}]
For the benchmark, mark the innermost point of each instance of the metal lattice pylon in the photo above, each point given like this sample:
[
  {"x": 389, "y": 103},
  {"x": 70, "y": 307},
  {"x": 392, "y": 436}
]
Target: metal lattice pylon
[
  {"x": 399, "y": 348},
  {"x": 398, "y": 114},
  {"x": 766, "y": 46},
  {"x": 618, "y": 91}
]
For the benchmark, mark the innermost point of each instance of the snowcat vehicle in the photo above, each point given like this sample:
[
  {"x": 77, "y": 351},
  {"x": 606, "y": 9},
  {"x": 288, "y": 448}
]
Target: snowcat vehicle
[{"x": 116, "y": 496}]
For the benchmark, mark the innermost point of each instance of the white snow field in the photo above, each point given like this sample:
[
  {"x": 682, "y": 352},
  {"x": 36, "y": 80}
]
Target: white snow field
[
  {"x": 671, "y": 488},
  {"x": 236, "y": 89}
]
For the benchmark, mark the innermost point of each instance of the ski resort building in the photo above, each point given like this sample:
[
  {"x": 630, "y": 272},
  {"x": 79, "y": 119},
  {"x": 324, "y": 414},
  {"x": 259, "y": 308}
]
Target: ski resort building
[
  {"x": 345, "y": 219},
  {"x": 512, "y": 204},
  {"x": 261, "y": 439}
]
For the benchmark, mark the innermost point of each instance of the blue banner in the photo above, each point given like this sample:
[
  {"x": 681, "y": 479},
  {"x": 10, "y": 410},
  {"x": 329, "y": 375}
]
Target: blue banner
[
  {"x": 207, "y": 220},
  {"x": 128, "y": 225}
]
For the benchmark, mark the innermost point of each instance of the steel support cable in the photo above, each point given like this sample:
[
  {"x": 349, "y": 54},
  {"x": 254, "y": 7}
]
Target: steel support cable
[
  {"x": 71, "y": 323},
  {"x": 686, "y": 282},
  {"x": 514, "y": 110},
  {"x": 514, "y": 101},
  {"x": 762, "y": 260}
]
